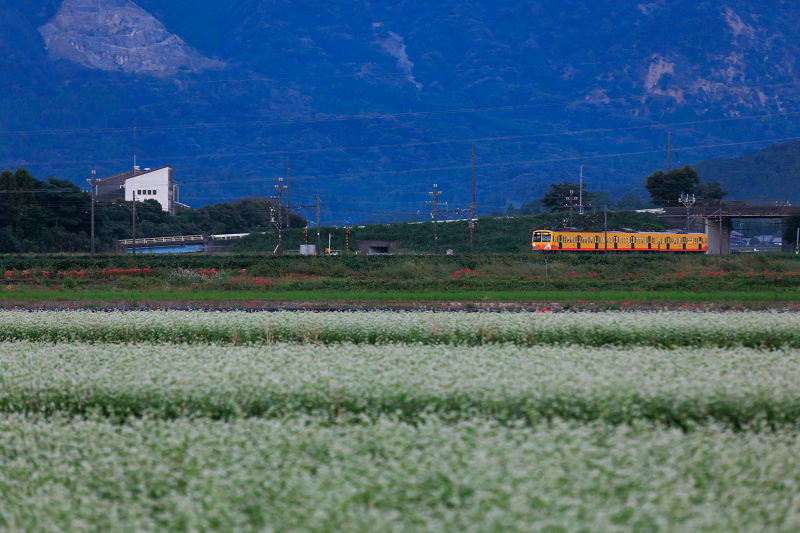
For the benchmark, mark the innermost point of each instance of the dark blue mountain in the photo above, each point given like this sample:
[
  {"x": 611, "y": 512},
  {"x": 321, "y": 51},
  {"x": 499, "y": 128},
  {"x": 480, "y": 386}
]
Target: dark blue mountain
[{"x": 374, "y": 102}]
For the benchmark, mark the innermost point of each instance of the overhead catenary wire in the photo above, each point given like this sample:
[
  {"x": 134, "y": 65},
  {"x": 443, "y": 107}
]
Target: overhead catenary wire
[
  {"x": 454, "y": 141},
  {"x": 374, "y": 116}
]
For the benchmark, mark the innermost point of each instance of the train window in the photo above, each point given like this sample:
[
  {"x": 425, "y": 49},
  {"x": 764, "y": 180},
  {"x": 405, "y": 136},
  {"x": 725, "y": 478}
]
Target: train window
[
  {"x": 537, "y": 236},
  {"x": 545, "y": 237}
]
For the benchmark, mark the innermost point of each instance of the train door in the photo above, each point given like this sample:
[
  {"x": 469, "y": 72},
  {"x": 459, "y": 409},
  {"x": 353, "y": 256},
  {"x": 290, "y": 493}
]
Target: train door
[
  {"x": 668, "y": 242},
  {"x": 615, "y": 241},
  {"x": 633, "y": 243},
  {"x": 560, "y": 242},
  {"x": 649, "y": 242},
  {"x": 578, "y": 240},
  {"x": 596, "y": 242},
  {"x": 684, "y": 243}
]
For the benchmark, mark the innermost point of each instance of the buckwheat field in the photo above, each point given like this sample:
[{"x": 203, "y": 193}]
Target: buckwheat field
[{"x": 193, "y": 421}]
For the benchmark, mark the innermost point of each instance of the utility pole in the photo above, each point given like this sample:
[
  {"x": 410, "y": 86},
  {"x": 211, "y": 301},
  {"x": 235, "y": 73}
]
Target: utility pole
[
  {"x": 134, "y": 146},
  {"x": 280, "y": 187},
  {"x": 133, "y": 217},
  {"x": 580, "y": 194},
  {"x": 288, "y": 205},
  {"x": 92, "y": 181},
  {"x": 435, "y": 195},
  {"x": 688, "y": 201},
  {"x": 605, "y": 223},
  {"x": 669, "y": 154},
  {"x": 570, "y": 199},
  {"x": 318, "y": 243},
  {"x": 472, "y": 205}
]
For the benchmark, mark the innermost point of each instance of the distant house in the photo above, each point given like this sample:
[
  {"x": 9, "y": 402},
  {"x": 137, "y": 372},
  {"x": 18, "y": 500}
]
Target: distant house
[
  {"x": 156, "y": 184},
  {"x": 769, "y": 239}
]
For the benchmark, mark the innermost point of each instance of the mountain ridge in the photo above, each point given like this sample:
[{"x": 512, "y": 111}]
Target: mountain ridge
[{"x": 367, "y": 99}]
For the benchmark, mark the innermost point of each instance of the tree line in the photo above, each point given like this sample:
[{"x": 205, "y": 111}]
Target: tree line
[
  {"x": 54, "y": 215},
  {"x": 665, "y": 189}
]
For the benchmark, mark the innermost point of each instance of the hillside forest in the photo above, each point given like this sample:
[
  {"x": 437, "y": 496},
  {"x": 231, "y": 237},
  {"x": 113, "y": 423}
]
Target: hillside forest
[{"x": 54, "y": 216}]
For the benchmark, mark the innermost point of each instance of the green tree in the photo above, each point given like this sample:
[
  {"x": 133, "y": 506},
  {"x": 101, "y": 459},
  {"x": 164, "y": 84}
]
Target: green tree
[
  {"x": 630, "y": 202},
  {"x": 790, "y": 226},
  {"x": 711, "y": 193},
  {"x": 555, "y": 199},
  {"x": 665, "y": 189},
  {"x": 602, "y": 199}
]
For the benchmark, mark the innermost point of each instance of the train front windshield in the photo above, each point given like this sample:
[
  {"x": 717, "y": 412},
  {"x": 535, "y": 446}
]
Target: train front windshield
[{"x": 539, "y": 236}]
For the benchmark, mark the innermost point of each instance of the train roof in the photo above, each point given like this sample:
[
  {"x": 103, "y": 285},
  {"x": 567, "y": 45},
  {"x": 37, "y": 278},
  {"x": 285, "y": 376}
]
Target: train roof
[{"x": 622, "y": 230}]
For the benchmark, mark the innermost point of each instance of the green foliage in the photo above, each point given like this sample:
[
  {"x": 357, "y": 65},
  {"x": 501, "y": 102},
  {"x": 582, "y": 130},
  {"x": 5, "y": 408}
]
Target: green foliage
[
  {"x": 555, "y": 199},
  {"x": 54, "y": 216},
  {"x": 41, "y": 216},
  {"x": 768, "y": 173},
  {"x": 710, "y": 193},
  {"x": 665, "y": 189},
  {"x": 790, "y": 227}
]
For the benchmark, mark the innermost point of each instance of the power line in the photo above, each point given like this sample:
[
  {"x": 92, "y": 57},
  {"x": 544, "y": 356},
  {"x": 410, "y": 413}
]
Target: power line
[
  {"x": 364, "y": 116},
  {"x": 426, "y": 143},
  {"x": 522, "y": 162},
  {"x": 333, "y": 118}
]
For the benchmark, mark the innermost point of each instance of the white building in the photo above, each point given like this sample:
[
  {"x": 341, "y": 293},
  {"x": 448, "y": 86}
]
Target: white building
[{"x": 148, "y": 184}]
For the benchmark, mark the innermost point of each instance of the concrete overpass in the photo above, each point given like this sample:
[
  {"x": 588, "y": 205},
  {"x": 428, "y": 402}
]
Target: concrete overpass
[
  {"x": 715, "y": 220},
  {"x": 182, "y": 244}
]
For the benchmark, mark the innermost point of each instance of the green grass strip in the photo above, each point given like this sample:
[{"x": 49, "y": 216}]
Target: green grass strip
[{"x": 137, "y": 297}]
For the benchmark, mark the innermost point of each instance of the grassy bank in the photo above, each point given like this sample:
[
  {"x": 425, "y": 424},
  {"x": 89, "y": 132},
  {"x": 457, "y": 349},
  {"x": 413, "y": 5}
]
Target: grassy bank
[
  {"x": 137, "y": 297},
  {"x": 511, "y": 278}
]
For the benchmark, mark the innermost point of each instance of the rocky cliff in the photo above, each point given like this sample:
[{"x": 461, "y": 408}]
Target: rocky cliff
[{"x": 117, "y": 35}]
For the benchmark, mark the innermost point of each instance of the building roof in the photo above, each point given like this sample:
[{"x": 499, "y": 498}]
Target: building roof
[{"x": 131, "y": 174}]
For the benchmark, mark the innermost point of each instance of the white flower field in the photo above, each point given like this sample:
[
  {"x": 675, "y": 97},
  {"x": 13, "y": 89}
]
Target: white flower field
[
  {"x": 382, "y": 421},
  {"x": 659, "y": 329}
]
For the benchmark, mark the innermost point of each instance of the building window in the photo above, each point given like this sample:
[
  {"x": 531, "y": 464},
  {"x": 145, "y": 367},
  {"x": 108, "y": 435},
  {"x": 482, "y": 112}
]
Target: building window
[
  {"x": 139, "y": 192},
  {"x": 154, "y": 192}
]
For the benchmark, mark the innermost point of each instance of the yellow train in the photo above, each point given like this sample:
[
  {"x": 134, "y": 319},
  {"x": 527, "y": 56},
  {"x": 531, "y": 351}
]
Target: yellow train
[{"x": 574, "y": 240}]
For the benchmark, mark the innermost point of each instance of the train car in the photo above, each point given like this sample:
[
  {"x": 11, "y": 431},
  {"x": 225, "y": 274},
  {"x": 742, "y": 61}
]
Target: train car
[{"x": 626, "y": 241}]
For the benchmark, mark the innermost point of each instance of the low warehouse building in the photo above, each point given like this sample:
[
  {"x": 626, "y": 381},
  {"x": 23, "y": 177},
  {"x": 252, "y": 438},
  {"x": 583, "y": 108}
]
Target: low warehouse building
[{"x": 378, "y": 247}]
